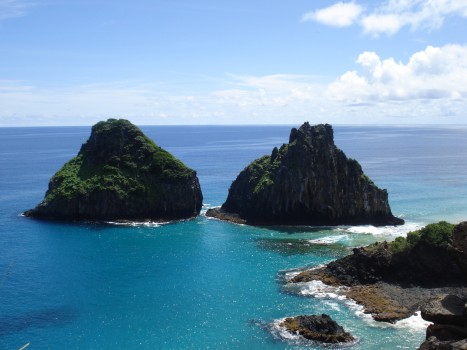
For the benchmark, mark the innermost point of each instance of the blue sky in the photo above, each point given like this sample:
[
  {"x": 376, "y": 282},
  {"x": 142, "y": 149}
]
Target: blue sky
[{"x": 74, "y": 62}]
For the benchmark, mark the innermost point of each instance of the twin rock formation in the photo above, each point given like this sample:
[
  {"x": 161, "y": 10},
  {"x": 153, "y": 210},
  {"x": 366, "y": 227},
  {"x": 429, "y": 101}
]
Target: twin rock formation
[{"x": 120, "y": 174}]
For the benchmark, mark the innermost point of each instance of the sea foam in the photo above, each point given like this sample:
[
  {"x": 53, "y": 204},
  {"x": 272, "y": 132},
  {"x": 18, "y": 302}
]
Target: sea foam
[
  {"x": 334, "y": 298},
  {"x": 382, "y": 230}
]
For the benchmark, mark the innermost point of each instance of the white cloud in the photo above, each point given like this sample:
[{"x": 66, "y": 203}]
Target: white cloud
[
  {"x": 376, "y": 24},
  {"x": 389, "y": 17},
  {"x": 430, "y": 87},
  {"x": 435, "y": 73},
  {"x": 342, "y": 14},
  {"x": 14, "y": 8}
]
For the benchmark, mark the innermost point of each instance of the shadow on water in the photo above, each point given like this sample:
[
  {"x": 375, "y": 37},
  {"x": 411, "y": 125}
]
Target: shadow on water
[
  {"x": 289, "y": 247},
  {"x": 99, "y": 225},
  {"x": 299, "y": 229},
  {"x": 11, "y": 324}
]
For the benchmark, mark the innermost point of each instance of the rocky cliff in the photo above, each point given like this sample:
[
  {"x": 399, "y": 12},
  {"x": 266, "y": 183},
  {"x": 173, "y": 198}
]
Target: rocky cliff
[
  {"x": 120, "y": 174},
  {"x": 427, "y": 258},
  {"x": 308, "y": 181},
  {"x": 449, "y": 329}
]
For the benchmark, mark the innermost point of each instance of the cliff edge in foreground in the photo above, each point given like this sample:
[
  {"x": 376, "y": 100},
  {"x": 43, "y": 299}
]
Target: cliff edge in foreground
[
  {"x": 391, "y": 280},
  {"x": 308, "y": 181},
  {"x": 120, "y": 174}
]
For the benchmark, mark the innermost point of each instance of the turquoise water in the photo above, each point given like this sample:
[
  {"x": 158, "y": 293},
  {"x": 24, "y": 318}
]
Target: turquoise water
[{"x": 202, "y": 283}]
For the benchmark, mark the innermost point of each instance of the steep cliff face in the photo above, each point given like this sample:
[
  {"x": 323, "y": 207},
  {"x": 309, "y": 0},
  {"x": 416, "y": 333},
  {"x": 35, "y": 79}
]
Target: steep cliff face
[
  {"x": 120, "y": 174},
  {"x": 308, "y": 181}
]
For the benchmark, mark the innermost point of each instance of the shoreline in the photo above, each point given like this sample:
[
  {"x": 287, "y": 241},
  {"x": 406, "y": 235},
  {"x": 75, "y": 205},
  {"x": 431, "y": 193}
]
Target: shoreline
[{"x": 385, "y": 302}]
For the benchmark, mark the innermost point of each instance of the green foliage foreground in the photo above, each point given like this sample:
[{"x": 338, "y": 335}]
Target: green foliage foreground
[{"x": 437, "y": 235}]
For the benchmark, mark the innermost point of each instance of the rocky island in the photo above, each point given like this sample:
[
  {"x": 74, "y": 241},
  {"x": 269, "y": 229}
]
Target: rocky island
[
  {"x": 319, "y": 328},
  {"x": 121, "y": 174},
  {"x": 308, "y": 181}
]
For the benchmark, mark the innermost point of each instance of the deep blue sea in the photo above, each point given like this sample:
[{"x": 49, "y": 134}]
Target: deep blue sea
[{"x": 203, "y": 284}]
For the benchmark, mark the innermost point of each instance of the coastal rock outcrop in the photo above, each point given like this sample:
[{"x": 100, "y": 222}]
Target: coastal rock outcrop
[
  {"x": 308, "y": 181},
  {"x": 120, "y": 174},
  {"x": 393, "y": 279},
  {"x": 320, "y": 328},
  {"x": 426, "y": 258},
  {"x": 449, "y": 329}
]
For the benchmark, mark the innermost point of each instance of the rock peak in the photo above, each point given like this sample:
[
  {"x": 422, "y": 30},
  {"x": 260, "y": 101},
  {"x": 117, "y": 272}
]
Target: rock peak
[
  {"x": 312, "y": 134},
  {"x": 121, "y": 174},
  {"x": 308, "y": 181}
]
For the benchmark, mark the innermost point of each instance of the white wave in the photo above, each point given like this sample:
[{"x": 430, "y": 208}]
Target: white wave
[
  {"x": 413, "y": 322},
  {"x": 137, "y": 223},
  {"x": 291, "y": 273},
  {"x": 280, "y": 332},
  {"x": 333, "y": 305},
  {"x": 328, "y": 240},
  {"x": 320, "y": 290},
  {"x": 382, "y": 230},
  {"x": 206, "y": 207}
]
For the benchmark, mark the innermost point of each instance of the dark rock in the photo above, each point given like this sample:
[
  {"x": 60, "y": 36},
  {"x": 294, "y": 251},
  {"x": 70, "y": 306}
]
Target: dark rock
[
  {"x": 459, "y": 237},
  {"x": 308, "y": 181},
  {"x": 446, "y": 332},
  {"x": 120, "y": 174},
  {"x": 444, "y": 309},
  {"x": 392, "y": 280},
  {"x": 425, "y": 259},
  {"x": 321, "y": 328},
  {"x": 424, "y": 266},
  {"x": 435, "y": 344},
  {"x": 220, "y": 214},
  {"x": 459, "y": 345}
]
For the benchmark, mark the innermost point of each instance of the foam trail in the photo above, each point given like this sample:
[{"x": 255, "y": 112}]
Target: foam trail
[
  {"x": 281, "y": 333},
  {"x": 137, "y": 223},
  {"x": 383, "y": 230},
  {"x": 328, "y": 240}
]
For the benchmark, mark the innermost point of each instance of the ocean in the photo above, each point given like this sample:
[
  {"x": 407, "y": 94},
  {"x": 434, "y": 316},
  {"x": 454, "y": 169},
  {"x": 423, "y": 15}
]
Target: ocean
[{"x": 202, "y": 283}]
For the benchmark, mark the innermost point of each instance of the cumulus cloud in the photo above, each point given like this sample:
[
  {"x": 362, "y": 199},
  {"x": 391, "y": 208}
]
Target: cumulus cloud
[
  {"x": 338, "y": 15},
  {"x": 392, "y": 15},
  {"x": 427, "y": 88},
  {"x": 434, "y": 73}
]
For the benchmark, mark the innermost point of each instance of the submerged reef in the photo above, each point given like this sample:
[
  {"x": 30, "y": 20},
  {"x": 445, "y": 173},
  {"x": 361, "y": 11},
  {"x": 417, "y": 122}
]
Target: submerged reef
[
  {"x": 308, "y": 181},
  {"x": 121, "y": 174}
]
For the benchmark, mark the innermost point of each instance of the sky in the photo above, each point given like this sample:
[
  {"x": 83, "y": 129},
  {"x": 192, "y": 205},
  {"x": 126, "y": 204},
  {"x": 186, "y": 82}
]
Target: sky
[{"x": 75, "y": 62}]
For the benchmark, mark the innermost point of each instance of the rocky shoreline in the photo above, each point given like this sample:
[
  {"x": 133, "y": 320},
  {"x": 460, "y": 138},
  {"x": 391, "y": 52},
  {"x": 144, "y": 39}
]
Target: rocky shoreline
[{"x": 394, "y": 280}]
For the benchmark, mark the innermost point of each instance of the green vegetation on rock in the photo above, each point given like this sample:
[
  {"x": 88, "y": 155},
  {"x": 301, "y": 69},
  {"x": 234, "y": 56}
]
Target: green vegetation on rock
[
  {"x": 120, "y": 173},
  {"x": 436, "y": 235},
  {"x": 118, "y": 167},
  {"x": 308, "y": 181}
]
